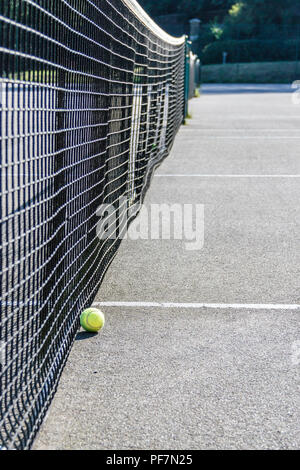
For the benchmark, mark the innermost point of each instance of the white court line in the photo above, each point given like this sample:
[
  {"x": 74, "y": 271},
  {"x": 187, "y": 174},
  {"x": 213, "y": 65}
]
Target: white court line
[
  {"x": 224, "y": 176},
  {"x": 199, "y": 305},
  {"x": 241, "y": 137},
  {"x": 243, "y": 129}
]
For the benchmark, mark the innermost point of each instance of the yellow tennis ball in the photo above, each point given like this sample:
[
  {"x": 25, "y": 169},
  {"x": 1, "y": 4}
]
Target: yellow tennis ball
[{"x": 92, "y": 320}]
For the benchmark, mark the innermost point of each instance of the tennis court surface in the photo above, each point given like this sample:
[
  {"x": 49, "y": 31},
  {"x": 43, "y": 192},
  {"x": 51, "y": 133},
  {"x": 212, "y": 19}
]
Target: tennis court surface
[{"x": 168, "y": 372}]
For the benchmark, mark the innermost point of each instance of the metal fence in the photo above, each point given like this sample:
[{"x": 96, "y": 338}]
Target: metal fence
[{"x": 268, "y": 53}]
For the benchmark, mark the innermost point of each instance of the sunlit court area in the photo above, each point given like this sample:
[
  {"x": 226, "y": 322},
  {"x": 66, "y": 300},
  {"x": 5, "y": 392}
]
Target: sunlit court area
[{"x": 149, "y": 228}]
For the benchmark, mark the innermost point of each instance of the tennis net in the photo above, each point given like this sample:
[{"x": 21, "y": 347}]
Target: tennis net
[{"x": 92, "y": 96}]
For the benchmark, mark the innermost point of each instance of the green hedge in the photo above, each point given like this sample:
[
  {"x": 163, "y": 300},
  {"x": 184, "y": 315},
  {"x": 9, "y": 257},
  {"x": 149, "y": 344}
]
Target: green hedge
[
  {"x": 254, "y": 72},
  {"x": 252, "y": 50}
]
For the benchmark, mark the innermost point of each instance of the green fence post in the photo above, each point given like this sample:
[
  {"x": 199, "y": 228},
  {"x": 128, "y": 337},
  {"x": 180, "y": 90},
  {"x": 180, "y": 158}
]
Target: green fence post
[{"x": 186, "y": 78}]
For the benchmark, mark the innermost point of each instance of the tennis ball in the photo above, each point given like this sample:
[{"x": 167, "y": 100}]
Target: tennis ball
[{"x": 92, "y": 320}]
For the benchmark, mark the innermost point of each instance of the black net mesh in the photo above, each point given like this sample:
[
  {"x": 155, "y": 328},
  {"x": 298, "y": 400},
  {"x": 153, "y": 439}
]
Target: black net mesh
[{"x": 91, "y": 100}]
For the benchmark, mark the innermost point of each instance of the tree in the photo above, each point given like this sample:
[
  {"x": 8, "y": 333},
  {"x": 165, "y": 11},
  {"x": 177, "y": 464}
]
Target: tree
[
  {"x": 155, "y": 8},
  {"x": 252, "y": 17},
  {"x": 261, "y": 12},
  {"x": 188, "y": 8}
]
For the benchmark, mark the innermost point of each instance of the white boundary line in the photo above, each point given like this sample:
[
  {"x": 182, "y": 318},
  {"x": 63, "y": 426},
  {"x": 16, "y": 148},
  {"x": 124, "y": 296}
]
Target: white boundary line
[
  {"x": 241, "y": 137},
  {"x": 225, "y": 176},
  {"x": 199, "y": 305}
]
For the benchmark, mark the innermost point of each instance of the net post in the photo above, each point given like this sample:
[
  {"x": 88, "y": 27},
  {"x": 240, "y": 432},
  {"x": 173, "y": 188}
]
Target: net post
[{"x": 186, "y": 78}]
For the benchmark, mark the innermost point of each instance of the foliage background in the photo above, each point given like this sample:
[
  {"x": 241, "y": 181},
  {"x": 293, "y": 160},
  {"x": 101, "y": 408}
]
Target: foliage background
[{"x": 248, "y": 30}]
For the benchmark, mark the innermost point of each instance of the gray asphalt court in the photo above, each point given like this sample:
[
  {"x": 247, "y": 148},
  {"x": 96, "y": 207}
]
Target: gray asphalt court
[{"x": 201, "y": 349}]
